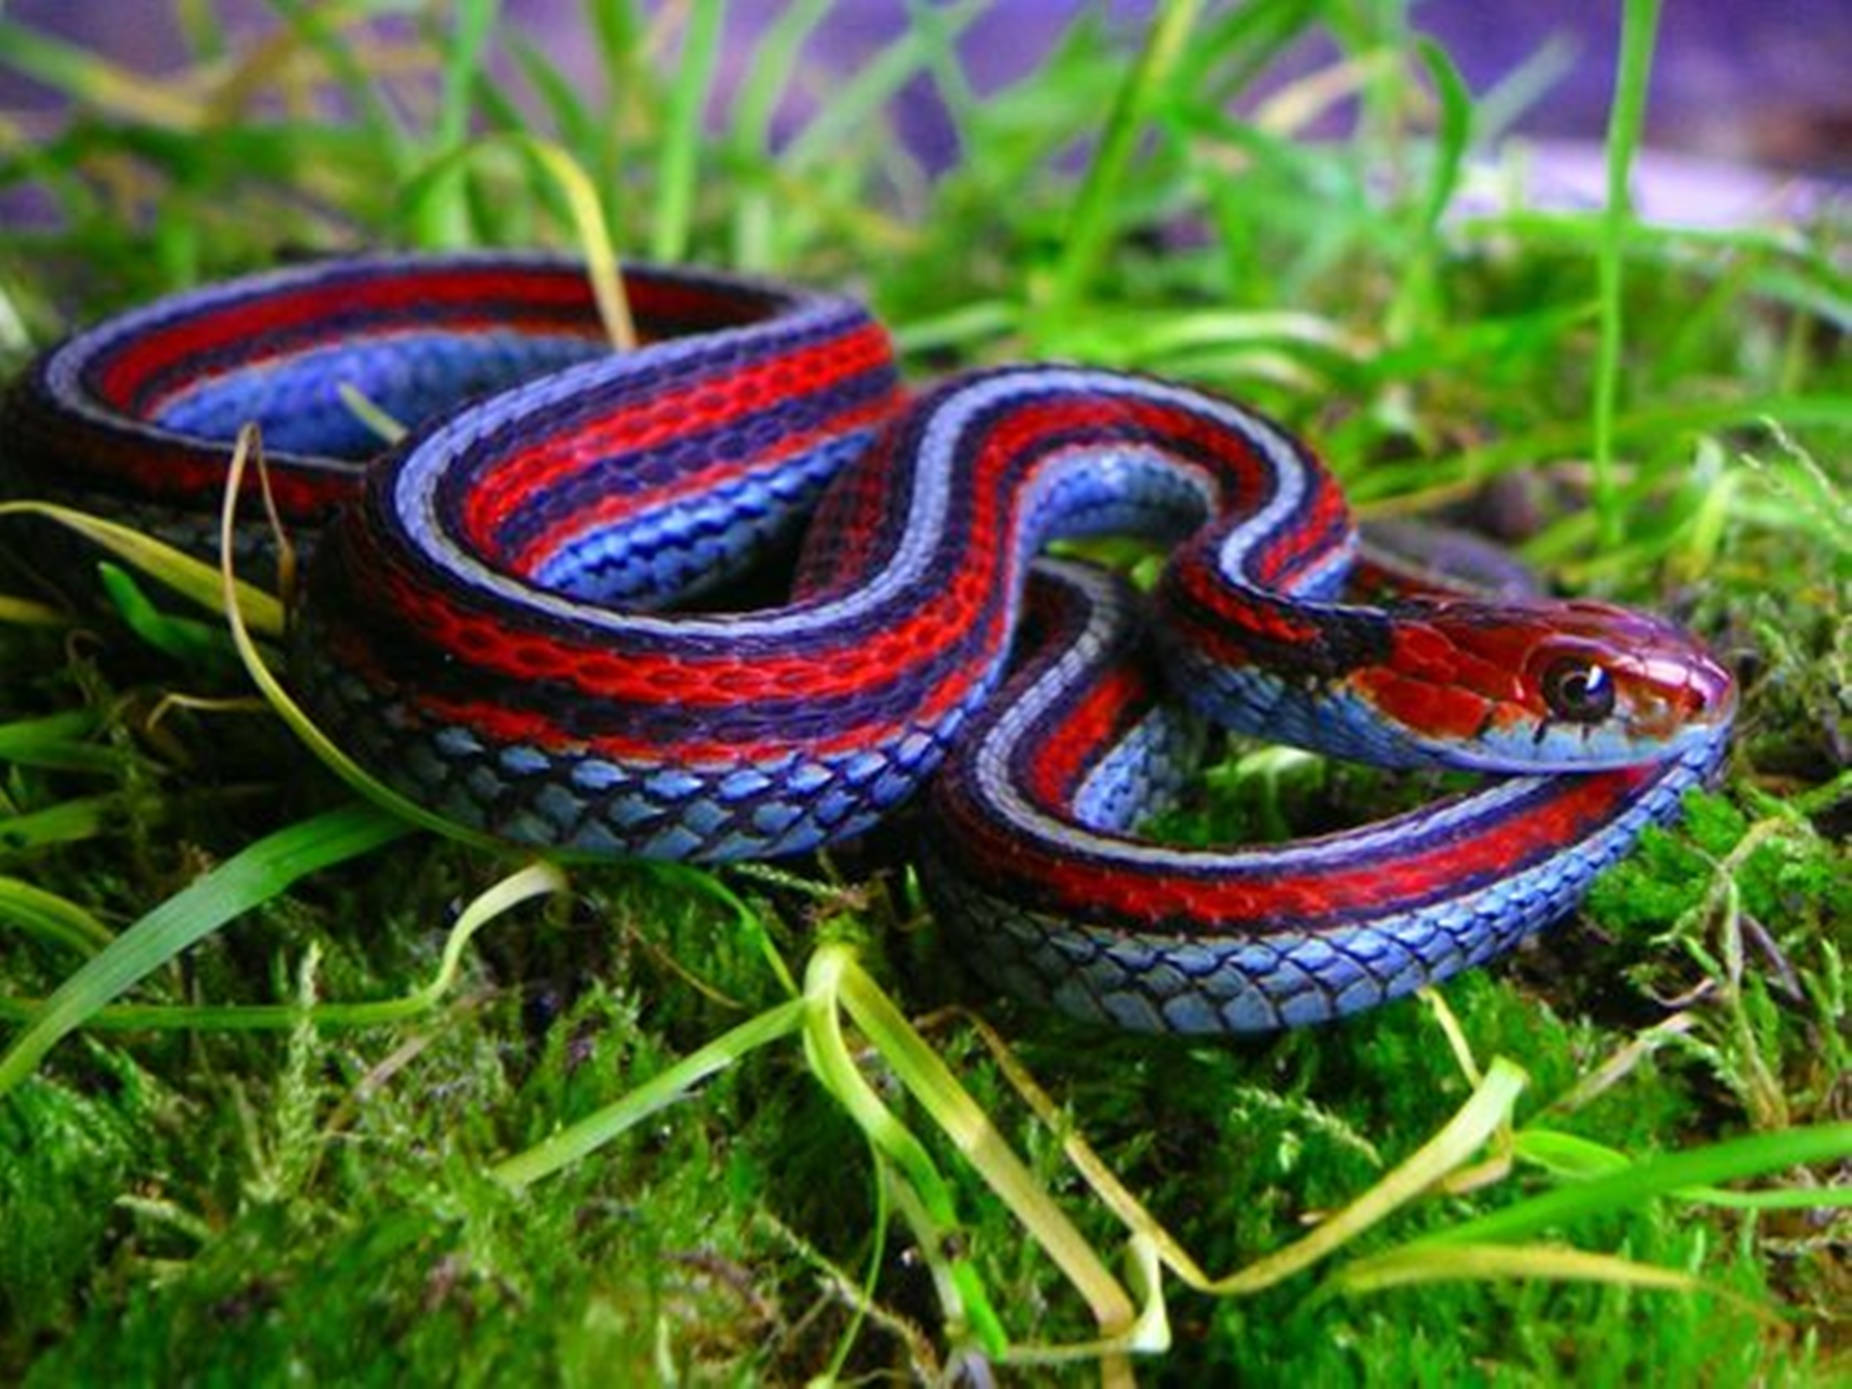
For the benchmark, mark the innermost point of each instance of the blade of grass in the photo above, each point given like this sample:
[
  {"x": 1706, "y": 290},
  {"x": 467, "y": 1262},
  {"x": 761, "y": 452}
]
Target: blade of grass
[
  {"x": 192, "y": 643},
  {"x": 1489, "y": 1106},
  {"x": 768, "y": 77},
  {"x": 1414, "y": 301},
  {"x": 855, "y": 107},
  {"x": 1570, "y": 1156},
  {"x": 1453, "y": 137},
  {"x": 1639, "y": 27},
  {"x": 386, "y": 429},
  {"x": 70, "y": 821},
  {"x": 1400, "y": 1269},
  {"x": 589, "y": 226},
  {"x": 444, "y": 212},
  {"x": 576, "y": 1141},
  {"x": 932, "y": 1083},
  {"x": 942, "y": 61},
  {"x": 962, "y": 327},
  {"x": 58, "y": 742},
  {"x": 1090, "y": 226},
  {"x": 619, "y": 33},
  {"x": 526, "y": 883},
  {"x": 1649, "y": 1178},
  {"x": 1659, "y": 423},
  {"x": 331, "y": 755},
  {"x": 51, "y": 917},
  {"x": 248, "y": 879},
  {"x": 317, "y": 27},
  {"x": 181, "y": 572},
  {"x": 1238, "y": 46},
  {"x": 89, "y": 80},
  {"x": 925, "y": 1197},
  {"x": 678, "y": 161},
  {"x": 1524, "y": 87},
  {"x": 752, "y": 926},
  {"x": 572, "y": 120},
  {"x": 205, "y": 35},
  {"x": 28, "y": 612}
]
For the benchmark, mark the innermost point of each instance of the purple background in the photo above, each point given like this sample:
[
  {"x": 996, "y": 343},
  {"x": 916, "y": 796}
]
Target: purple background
[{"x": 1747, "y": 79}]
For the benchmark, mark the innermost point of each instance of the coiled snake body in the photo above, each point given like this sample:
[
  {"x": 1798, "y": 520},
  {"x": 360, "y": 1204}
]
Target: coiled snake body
[{"x": 486, "y": 624}]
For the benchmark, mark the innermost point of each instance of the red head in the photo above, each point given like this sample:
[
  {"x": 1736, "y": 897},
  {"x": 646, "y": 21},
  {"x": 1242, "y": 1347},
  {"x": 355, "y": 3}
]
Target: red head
[{"x": 1545, "y": 686}]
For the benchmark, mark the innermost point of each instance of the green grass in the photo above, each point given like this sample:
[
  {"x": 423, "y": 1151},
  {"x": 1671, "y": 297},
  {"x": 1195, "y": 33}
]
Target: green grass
[{"x": 312, "y": 1137}]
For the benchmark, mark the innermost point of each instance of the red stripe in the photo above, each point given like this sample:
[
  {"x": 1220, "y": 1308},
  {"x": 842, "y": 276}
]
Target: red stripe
[
  {"x": 1308, "y": 536},
  {"x": 192, "y": 476},
  {"x": 1067, "y": 751},
  {"x": 1232, "y": 905},
  {"x": 248, "y": 324},
  {"x": 1219, "y": 619},
  {"x": 611, "y": 509},
  {"x": 647, "y": 422},
  {"x": 500, "y": 724},
  {"x": 1447, "y": 679},
  {"x": 601, "y": 668},
  {"x": 714, "y": 680}
]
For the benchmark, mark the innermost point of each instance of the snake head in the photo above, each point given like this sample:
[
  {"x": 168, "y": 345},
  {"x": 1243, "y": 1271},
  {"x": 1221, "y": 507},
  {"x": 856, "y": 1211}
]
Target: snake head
[{"x": 1546, "y": 686}]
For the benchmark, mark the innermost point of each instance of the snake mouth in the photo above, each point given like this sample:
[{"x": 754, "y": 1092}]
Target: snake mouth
[{"x": 1663, "y": 696}]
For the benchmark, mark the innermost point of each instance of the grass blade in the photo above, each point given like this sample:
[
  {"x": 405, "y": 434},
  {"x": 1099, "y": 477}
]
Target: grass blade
[
  {"x": 575, "y": 1141},
  {"x": 181, "y": 572},
  {"x": 58, "y": 742},
  {"x": 679, "y": 163},
  {"x": 51, "y": 917},
  {"x": 856, "y": 105},
  {"x": 970, "y": 1128},
  {"x": 1652, "y": 1177},
  {"x": 1639, "y": 27},
  {"x": 247, "y": 879},
  {"x": 534, "y": 880},
  {"x": 445, "y": 210},
  {"x": 1400, "y": 1269},
  {"x": 1090, "y": 227},
  {"x": 89, "y": 80}
]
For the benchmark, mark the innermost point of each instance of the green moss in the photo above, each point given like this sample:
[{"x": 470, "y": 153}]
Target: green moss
[{"x": 225, "y": 1205}]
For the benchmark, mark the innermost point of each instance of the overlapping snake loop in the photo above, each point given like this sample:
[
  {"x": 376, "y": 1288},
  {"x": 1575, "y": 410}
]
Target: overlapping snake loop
[{"x": 491, "y": 621}]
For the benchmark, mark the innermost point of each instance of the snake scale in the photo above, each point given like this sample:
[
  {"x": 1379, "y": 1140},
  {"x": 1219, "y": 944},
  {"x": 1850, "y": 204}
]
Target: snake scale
[{"x": 502, "y": 620}]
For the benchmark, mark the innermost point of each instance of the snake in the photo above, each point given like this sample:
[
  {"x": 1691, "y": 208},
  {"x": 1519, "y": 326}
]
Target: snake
[{"x": 525, "y": 617}]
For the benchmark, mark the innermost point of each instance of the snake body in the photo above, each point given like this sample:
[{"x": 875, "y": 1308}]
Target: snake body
[{"x": 486, "y": 624}]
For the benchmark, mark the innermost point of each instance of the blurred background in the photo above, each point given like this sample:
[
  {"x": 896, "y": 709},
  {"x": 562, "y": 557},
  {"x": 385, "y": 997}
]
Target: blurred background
[{"x": 1762, "y": 81}]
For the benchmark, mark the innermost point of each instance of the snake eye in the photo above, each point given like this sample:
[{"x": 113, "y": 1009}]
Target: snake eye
[{"x": 1578, "y": 691}]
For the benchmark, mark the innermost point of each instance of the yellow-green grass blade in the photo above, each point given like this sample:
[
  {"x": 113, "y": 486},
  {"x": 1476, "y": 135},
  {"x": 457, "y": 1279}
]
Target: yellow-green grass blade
[
  {"x": 247, "y": 879},
  {"x": 51, "y": 917},
  {"x": 179, "y": 571}
]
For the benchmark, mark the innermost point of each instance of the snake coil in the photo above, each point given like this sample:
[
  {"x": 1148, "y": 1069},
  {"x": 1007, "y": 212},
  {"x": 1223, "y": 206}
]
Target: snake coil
[{"x": 490, "y": 621}]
